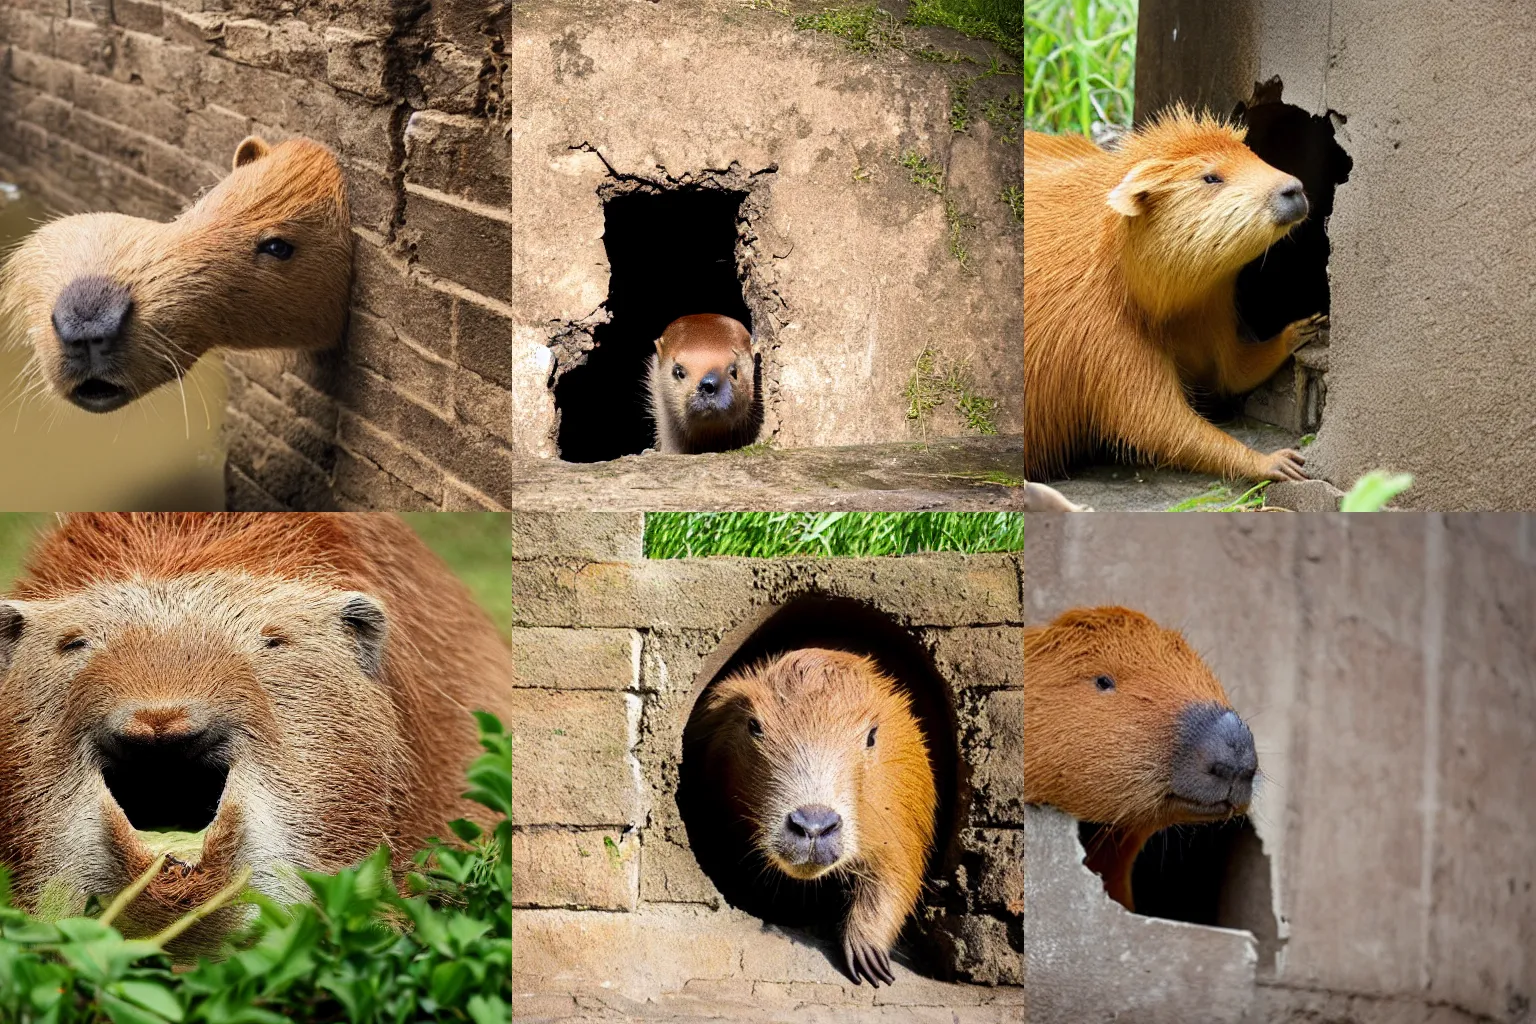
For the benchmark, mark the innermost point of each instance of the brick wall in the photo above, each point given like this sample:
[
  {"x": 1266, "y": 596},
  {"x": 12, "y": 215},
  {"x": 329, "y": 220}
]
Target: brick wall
[
  {"x": 611, "y": 652},
  {"x": 136, "y": 106}
]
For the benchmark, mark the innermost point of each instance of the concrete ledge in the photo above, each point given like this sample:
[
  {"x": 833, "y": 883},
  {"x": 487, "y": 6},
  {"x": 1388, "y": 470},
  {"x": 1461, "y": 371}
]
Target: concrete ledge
[
  {"x": 1089, "y": 961},
  {"x": 972, "y": 473}
]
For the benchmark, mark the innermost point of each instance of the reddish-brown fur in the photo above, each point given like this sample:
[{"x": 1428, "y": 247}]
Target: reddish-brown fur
[
  {"x": 1130, "y": 264},
  {"x": 1106, "y": 757},
  {"x": 816, "y": 709},
  {"x": 690, "y": 348},
  {"x": 199, "y": 282},
  {"x": 401, "y": 740}
]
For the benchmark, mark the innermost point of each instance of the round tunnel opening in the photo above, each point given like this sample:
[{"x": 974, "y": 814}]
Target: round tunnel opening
[
  {"x": 671, "y": 252},
  {"x": 741, "y": 874}
]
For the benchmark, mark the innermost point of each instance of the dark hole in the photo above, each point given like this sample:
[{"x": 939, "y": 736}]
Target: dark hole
[
  {"x": 171, "y": 785},
  {"x": 740, "y": 873},
  {"x": 1215, "y": 874},
  {"x": 670, "y": 254},
  {"x": 1290, "y": 281}
]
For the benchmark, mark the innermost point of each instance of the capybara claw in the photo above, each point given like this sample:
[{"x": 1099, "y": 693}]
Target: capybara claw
[
  {"x": 867, "y": 961},
  {"x": 1309, "y": 330},
  {"x": 1285, "y": 464}
]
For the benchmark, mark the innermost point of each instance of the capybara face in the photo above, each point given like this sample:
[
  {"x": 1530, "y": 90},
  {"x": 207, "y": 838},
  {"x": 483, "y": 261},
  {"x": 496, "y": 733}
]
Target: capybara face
[
  {"x": 1124, "y": 724},
  {"x": 707, "y": 365},
  {"x": 1199, "y": 202},
  {"x": 801, "y": 738},
  {"x": 115, "y": 306},
  {"x": 249, "y": 707}
]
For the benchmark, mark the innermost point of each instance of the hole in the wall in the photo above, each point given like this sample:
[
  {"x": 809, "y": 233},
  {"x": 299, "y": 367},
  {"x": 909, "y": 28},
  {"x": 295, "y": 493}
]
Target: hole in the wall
[
  {"x": 671, "y": 252},
  {"x": 1215, "y": 874},
  {"x": 1290, "y": 281},
  {"x": 739, "y": 872}
]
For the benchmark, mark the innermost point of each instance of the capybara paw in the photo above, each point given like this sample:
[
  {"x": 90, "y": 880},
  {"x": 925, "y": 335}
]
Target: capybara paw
[
  {"x": 1308, "y": 330},
  {"x": 1284, "y": 464},
  {"x": 866, "y": 960}
]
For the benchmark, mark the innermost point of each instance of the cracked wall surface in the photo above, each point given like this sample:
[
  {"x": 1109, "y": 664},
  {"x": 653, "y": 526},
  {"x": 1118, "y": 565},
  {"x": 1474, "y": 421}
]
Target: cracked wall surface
[
  {"x": 1383, "y": 663},
  {"x": 846, "y": 261},
  {"x": 611, "y": 651},
  {"x": 1429, "y": 366},
  {"x": 136, "y": 106}
]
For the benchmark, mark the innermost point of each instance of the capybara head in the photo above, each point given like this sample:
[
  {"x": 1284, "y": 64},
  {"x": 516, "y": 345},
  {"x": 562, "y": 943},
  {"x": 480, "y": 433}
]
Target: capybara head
[
  {"x": 706, "y": 366},
  {"x": 819, "y": 750},
  {"x": 1125, "y": 725},
  {"x": 114, "y": 306},
  {"x": 251, "y": 710},
  {"x": 1197, "y": 204}
]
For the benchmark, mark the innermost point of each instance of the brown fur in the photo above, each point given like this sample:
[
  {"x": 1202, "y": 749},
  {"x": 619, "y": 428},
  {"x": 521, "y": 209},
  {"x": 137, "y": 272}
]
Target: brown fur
[
  {"x": 1105, "y": 757},
  {"x": 816, "y": 708},
  {"x": 240, "y": 619},
  {"x": 689, "y": 348},
  {"x": 198, "y": 282},
  {"x": 1130, "y": 264}
]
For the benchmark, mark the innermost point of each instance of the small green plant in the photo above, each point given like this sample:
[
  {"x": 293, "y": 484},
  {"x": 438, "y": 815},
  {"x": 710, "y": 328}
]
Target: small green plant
[
  {"x": 958, "y": 223},
  {"x": 925, "y": 173},
  {"x": 1013, "y": 195},
  {"x": 959, "y": 106},
  {"x": 1079, "y": 64},
  {"x": 1000, "y": 21},
  {"x": 1221, "y": 498},
  {"x": 1374, "y": 490},
  {"x": 357, "y": 952},
  {"x": 829, "y": 534},
  {"x": 1006, "y": 114},
  {"x": 864, "y": 27},
  {"x": 935, "y": 380}
]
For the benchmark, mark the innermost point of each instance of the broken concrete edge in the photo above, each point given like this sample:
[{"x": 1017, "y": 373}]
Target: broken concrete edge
[{"x": 1303, "y": 496}]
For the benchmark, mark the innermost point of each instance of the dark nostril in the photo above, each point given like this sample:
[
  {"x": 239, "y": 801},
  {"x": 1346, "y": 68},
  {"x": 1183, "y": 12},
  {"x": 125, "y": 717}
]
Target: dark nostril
[
  {"x": 814, "y": 821},
  {"x": 709, "y": 383},
  {"x": 91, "y": 311}
]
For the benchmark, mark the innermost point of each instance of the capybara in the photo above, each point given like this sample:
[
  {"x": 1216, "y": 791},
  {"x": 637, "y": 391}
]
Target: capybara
[
  {"x": 1131, "y": 258},
  {"x": 703, "y": 386},
  {"x": 823, "y": 770},
  {"x": 1124, "y": 725},
  {"x": 115, "y": 306},
  {"x": 295, "y": 687}
]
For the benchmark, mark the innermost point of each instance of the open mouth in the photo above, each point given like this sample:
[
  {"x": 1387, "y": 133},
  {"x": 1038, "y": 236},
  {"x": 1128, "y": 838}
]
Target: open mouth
[{"x": 97, "y": 395}]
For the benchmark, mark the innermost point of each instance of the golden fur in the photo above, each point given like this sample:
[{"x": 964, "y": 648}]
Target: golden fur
[
  {"x": 689, "y": 348},
  {"x": 341, "y": 655},
  {"x": 1106, "y": 758},
  {"x": 816, "y": 709},
  {"x": 1130, "y": 263},
  {"x": 199, "y": 282}
]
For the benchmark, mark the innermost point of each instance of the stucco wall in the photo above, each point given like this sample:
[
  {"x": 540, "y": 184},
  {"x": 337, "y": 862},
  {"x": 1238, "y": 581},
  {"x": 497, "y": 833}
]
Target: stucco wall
[
  {"x": 1384, "y": 663},
  {"x": 1430, "y": 363},
  {"x": 611, "y": 650}
]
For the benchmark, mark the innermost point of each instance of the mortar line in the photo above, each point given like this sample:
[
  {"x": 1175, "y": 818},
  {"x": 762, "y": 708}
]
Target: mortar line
[{"x": 1433, "y": 631}]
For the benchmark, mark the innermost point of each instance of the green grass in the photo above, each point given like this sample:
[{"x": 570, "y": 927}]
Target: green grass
[
  {"x": 828, "y": 534},
  {"x": 1000, "y": 21},
  {"x": 935, "y": 380},
  {"x": 867, "y": 26},
  {"x": 1078, "y": 63},
  {"x": 1219, "y": 497},
  {"x": 923, "y": 172},
  {"x": 357, "y": 952}
]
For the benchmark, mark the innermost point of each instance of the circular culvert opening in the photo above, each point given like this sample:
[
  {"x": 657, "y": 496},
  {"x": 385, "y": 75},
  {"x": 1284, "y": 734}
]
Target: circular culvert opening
[{"x": 721, "y": 841}]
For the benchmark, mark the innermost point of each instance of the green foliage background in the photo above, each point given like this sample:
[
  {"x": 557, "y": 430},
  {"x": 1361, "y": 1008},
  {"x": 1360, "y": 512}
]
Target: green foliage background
[{"x": 828, "y": 534}]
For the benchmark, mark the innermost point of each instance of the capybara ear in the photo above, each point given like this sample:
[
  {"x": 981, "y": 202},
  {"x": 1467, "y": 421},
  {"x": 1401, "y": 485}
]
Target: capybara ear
[
  {"x": 364, "y": 618},
  {"x": 659, "y": 338},
  {"x": 1129, "y": 198},
  {"x": 12, "y": 619},
  {"x": 252, "y": 147}
]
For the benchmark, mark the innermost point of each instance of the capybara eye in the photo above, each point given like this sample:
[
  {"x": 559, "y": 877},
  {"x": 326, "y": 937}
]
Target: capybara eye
[
  {"x": 1212, "y": 179},
  {"x": 733, "y": 371},
  {"x": 871, "y": 741},
  {"x": 278, "y": 247},
  {"x": 276, "y": 641},
  {"x": 74, "y": 643},
  {"x": 1104, "y": 682},
  {"x": 678, "y": 373},
  {"x": 754, "y": 727}
]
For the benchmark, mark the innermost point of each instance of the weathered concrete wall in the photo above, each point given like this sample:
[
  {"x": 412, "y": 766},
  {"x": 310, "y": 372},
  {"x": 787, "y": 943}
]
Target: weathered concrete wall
[
  {"x": 1384, "y": 663},
  {"x": 610, "y": 651},
  {"x": 136, "y": 105},
  {"x": 1430, "y": 366},
  {"x": 846, "y": 263}
]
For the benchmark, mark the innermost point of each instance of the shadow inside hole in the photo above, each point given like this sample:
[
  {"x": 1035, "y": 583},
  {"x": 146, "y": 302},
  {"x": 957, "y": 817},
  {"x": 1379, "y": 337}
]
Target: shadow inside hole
[
  {"x": 1290, "y": 281},
  {"x": 670, "y": 253},
  {"x": 1216, "y": 874},
  {"x": 721, "y": 842}
]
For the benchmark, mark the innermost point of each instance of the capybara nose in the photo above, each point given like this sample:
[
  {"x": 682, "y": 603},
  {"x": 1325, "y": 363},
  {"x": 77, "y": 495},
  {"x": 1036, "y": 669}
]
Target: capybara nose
[
  {"x": 1216, "y": 760},
  {"x": 709, "y": 383},
  {"x": 815, "y": 821},
  {"x": 90, "y": 314},
  {"x": 1289, "y": 203}
]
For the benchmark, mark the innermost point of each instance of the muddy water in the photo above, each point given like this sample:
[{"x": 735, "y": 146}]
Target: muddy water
[{"x": 159, "y": 453}]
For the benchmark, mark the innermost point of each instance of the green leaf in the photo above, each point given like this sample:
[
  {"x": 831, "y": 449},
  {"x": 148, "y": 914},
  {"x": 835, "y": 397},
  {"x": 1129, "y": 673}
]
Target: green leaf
[
  {"x": 466, "y": 829},
  {"x": 123, "y": 1012},
  {"x": 449, "y": 980},
  {"x": 1374, "y": 490},
  {"x": 483, "y": 1009},
  {"x": 153, "y": 996}
]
